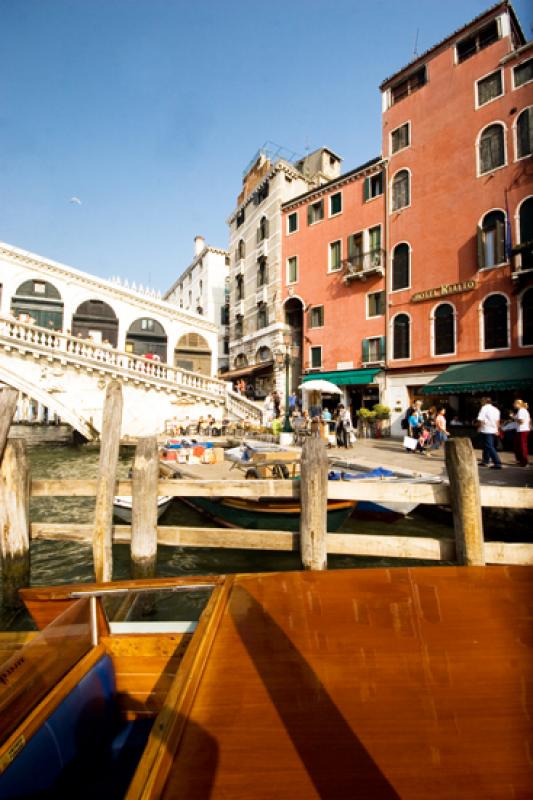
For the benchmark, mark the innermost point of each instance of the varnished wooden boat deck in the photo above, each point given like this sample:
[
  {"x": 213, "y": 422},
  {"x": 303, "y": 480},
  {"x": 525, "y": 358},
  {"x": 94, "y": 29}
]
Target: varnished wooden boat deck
[{"x": 365, "y": 684}]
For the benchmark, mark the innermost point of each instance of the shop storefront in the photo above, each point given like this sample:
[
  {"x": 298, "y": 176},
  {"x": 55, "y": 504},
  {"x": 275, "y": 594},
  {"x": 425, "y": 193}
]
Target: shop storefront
[
  {"x": 360, "y": 388},
  {"x": 259, "y": 378}
]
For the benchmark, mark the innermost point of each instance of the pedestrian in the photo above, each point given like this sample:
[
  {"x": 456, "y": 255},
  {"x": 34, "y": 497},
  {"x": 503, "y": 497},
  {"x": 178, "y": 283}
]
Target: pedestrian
[
  {"x": 441, "y": 434},
  {"x": 269, "y": 408},
  {"x": 344, "y": 427},
  {"x": 415, "y": 423},
  {"x": 277, "y": 404},
  {"x": 488, "y": 422},
  {"x": 523, "y": 426}
]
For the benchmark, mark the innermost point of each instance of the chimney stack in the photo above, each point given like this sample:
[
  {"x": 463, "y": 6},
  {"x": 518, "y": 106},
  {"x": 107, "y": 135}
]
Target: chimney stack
[{"x": 199, "y": 244}]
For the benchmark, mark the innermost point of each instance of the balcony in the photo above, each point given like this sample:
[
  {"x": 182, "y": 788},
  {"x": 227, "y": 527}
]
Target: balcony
[
  {"x": 363, "y": 265},
  {"x": 262, "y": 295},
  {"x": 262, "y": 248}
]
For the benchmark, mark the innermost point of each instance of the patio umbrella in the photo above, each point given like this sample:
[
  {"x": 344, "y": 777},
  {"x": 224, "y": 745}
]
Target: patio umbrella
[{"x": 320, "y": 385}]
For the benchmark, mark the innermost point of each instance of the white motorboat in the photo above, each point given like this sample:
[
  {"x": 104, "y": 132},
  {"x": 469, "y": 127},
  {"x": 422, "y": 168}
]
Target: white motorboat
[{"x": 122, "y": 507}]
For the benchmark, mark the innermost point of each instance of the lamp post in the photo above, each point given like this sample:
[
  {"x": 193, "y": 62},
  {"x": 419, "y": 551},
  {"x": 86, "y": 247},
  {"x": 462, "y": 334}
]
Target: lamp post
[{"x": 284, "y": 357}]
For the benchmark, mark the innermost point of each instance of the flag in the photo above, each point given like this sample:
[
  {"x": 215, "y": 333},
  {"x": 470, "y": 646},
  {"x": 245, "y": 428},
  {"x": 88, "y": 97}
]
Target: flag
[{"x": 508, "y": 230}]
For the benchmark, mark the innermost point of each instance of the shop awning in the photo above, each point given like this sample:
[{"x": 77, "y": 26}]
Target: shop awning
[
  {"x": 492, "y": 375},
  {"x": 243, "y": 371},
  {"x": 345, "y": 377}
]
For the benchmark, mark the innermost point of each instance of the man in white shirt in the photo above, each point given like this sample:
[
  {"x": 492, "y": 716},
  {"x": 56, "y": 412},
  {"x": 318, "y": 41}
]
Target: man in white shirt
[{"x": 488, "y": 421}]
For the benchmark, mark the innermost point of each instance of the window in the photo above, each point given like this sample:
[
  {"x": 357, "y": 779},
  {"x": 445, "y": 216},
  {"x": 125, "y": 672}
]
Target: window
[
  {"x": 335, "y": 256},
  {"x": 224, "y": 315},
  {"x": 315, "y": 212},
  {"x": 523, "y": 73},
  {"x": 401, "y": 336},
  {"x": 262, "y": 273},
  {"x": 335, "y": 204},
  {"x": 240, "y": 218},
  {"x": 400, "y": 138},
  {"x": 239, "y": 287},
  {"x": 374, "y": 240},
  {"x": 524, "y": 133},
  {"x": 292, "y": 222},
  {"x": 400, "y": 190},
  {"x": 316, "y": 357},
  {"x": 526, "y": 233},
  {"x": 226, "y": 347},
  {"x": 39, "y": 288},
  {"x": 491, "y": 149},
  {"x": 375, "y": 304},
  {"x": 491, "y": 240},
  {"x": 444, "y": 330},
  {"x": 373, "y": 350},
  {"x": 241, "y": 250},
  {"x": 401, "y": 267},
  {"x": 526, "y": 309},
  {"x": 239, "y": 326},
  {"x": 262, "y": 315},
  {"x": 495, "y": 330},
  {"x": 263, "y": 230},
  {"x": 147, "y": 324},
  {"x": 355, "y": 249},
  {"x": 490, "y": 87},
  {"x": 316, "y": 317},
  {"x": 471, "y": 45},
  {"x": 261, "y": 194},
  {"x": 408, "y": 85},
  {"x": 373, "y": 186},
  {"x": 292, "y": 269}
]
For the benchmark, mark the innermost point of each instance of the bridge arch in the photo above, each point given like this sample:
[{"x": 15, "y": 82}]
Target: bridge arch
[
  {"x": 147, "y": 336},
  {"x": 96, "y": 318},
  {"x": 193, "y": 353},
  {"x": 39, "y": 300}
]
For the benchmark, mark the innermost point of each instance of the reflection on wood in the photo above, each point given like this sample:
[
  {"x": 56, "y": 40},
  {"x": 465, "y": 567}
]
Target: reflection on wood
[{"x": 28, "y": 675}]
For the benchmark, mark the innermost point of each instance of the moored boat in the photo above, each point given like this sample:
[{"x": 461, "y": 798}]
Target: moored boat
[{"x": 122, "y": 506}]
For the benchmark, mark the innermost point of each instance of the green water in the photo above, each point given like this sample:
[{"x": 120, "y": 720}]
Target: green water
[{"x": 70, "y": 562}]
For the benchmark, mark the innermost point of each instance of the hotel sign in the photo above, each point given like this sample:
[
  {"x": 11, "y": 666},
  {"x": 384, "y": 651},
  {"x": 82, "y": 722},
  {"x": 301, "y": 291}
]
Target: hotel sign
[{"x": 443, "y": 291}]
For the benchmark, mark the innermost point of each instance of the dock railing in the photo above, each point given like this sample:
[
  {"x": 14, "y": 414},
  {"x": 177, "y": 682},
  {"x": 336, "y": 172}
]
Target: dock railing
[{"x": 463, "y": 493}]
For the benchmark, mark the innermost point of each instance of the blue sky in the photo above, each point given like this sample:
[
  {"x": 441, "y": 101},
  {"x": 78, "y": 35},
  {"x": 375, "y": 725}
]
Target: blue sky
[{"x": 148, "y": 111}]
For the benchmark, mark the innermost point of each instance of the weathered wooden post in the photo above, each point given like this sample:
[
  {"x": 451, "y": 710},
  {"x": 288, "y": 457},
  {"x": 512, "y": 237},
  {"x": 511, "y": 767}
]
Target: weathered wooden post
[
  {"x": 8, "y": 405},
  {"x": 107, "y": 476},
  {"x": 145, "y": 477},
  {"x": 14, "y": 520},
  {"x": 314, "y": 500},
  {"x": 465, "y": 501}
]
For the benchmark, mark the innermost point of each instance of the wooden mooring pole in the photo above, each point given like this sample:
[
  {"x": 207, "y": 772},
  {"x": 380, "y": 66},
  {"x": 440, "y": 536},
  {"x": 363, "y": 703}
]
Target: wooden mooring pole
[
  {"x": 8, "y": 405},
  {"x": 107, "y": 476},
  {"x": 314, "y": 500},
  {"x": 465, "y": 497},
  {"x": 14, "y": 521},
  {"x": 145, "y": 476}
]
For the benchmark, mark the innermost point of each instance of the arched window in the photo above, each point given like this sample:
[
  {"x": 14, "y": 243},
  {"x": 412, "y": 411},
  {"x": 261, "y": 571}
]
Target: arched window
[
  {"x": 240, "y": 361},
  {"x": 96, "y": 319},
  {"x": 401, "y": 194},
  {"x": 526, "y": 309},
  {"x": 401, "y": 336},
  {"x": 147, "y": 336},
  {"x": 192, "y": 353},
  {"x": 39, "y": 301},
  {"x": 526, "y": 233},
  {"x": 263, "y": 229},
  {"x": 524, "y": 133},
  {"x": 495, "y": 322},
  {"x": 400, "y": 267},
  {"x": 491, "y": 148},
  {"x": 444, "y": 329},
  {"x": 263, "y": 354},
  {"x": 491, "y": 240},
  {"x": 241, "y": 250}
]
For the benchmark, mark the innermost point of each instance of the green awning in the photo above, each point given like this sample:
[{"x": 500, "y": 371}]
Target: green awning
[
  {"x": 492, "y": 375},
  {"x": 345, "y": 377}
]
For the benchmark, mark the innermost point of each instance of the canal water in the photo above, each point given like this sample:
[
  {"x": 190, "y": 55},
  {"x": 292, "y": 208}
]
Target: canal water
[{"x": 70, "y": 562}]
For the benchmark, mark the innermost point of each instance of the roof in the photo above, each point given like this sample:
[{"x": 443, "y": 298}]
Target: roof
[
  {"x": 353, "y": 173},
  {"x": 444, "y": 42},
  {"x": 491, "y": 375}
]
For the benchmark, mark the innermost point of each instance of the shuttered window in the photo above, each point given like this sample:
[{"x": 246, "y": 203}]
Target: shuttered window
[
  {"x": 373, "y": 350},
  {"x": 376, "y": 304},
  {"x": 335, "y": 204},
  {"x": 334, "y": 256},
  {"x": 292, "y": 269},
  {"x": 315, "y": 212},
  {"x": 373, "y": 186},
  {"x": 316, "y": 317},
  {"x": 292, "y": 222},
  {"x": 527, "y": 317},
  {"x": 495, "y": 322},
  {"x": 444, "y": 329},
  {"x": 491, "y": 148},
  {"x": 400, "y": 190},
  {"x": 400, "y": 267},
  {"x": 523, "y": 73},
  {"x": 524, "y": 133},
  {"x": 401, "y": 336},
  {"x": 400, "y": 138},
  {"x": 490, "y": 87},
  {"x": 471, "y": 45},
  {"x": 316, "y": 357},
  {"x": 491, "y": 240},
  {"x": 355, "y": 249}
]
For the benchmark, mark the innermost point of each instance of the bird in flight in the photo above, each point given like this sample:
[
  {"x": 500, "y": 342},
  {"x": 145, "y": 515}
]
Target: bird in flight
[{"x": 75, "y": 201}]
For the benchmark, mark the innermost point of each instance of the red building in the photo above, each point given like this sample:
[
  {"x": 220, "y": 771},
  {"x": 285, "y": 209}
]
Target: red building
[
  {"x": 456, "y": 230},
  {"x": 334, "y": 286}
]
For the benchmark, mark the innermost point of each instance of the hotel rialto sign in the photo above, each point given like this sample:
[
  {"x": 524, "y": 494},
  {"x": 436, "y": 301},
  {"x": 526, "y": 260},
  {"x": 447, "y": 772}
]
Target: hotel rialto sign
[{"x": 443, "y": 291}]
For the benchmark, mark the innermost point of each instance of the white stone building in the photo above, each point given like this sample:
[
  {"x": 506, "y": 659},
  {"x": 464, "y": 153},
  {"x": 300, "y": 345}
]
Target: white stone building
[
  {"x": 256, "y": 312},
  {"x": 59, "y": 297},
  {"x": 202, "y": 289}
]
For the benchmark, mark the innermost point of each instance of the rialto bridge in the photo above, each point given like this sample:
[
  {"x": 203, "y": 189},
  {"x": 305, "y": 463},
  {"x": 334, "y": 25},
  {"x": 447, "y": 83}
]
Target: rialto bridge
[{"x": 65, "y": 333}]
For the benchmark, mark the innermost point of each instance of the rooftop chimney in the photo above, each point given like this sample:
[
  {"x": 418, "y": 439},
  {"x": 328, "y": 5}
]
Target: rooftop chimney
[{"x": 199, "y": 244}]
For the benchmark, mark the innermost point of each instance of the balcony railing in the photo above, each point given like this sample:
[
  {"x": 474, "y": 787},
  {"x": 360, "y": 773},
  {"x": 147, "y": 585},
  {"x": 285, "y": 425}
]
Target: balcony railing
[{"x": 364, "y": 264}]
